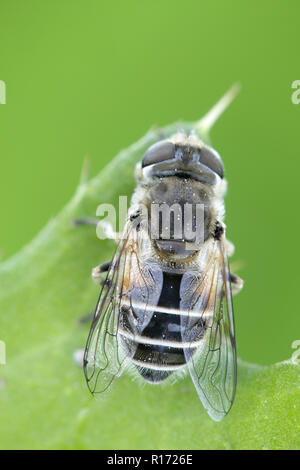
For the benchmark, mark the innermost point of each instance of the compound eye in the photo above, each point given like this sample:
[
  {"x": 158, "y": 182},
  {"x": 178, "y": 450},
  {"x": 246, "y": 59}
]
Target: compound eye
[
  {"x": 159, "y": 152},
  {"x": 212, "y": 160}
]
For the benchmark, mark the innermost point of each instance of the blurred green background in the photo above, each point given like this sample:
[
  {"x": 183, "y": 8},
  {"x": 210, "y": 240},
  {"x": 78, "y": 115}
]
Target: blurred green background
[{"x": 90, "y": 77}]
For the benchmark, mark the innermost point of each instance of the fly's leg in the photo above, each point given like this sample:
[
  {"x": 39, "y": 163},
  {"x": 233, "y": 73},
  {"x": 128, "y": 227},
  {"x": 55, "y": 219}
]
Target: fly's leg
[
  {"x": 236, "y": 283},
  {"x": 104, "y": 228},
  {"x": 229, "y": 247},
  {"x": 98, "y": 278},
  {"x": 85, "y": 221},
  {"x": 86, "y": 318},
  {"x": 97, "y": 272},
  {"x": 78, "y": 356}
]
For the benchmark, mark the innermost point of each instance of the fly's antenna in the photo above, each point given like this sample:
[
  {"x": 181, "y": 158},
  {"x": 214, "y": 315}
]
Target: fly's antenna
[{"x": 204, "y": 125}]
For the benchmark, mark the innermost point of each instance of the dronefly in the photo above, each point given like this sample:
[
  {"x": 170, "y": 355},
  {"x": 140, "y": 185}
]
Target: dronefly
[{"x": 165, "y": 305}]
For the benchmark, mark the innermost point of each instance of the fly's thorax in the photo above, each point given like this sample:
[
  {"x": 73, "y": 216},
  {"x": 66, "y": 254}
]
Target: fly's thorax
[
  {"x": 182, "y": 185},
  {"x": 181, "y": 214}
]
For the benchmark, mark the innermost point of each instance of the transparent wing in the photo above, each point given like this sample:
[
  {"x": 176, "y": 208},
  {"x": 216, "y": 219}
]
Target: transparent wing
[
  {"x": 208, "y": 330},
  {"x": 103, "y": 360},
  {"x": 129, "y": 281}
]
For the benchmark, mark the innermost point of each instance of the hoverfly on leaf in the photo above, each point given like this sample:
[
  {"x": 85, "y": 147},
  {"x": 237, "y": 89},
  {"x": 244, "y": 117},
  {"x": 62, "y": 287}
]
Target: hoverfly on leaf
[{"x": 165, "y": 305}]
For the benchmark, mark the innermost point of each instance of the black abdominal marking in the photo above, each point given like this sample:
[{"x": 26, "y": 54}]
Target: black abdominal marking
[{"x": 163, "y": 326}]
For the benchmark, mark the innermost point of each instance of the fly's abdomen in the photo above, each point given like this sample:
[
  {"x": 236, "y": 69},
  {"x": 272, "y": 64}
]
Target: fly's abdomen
[{"x": 159, "y": 351}]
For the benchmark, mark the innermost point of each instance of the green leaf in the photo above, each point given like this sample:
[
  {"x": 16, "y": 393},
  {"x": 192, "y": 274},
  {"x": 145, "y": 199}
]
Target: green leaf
[{"x": 44, "y": 401}]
